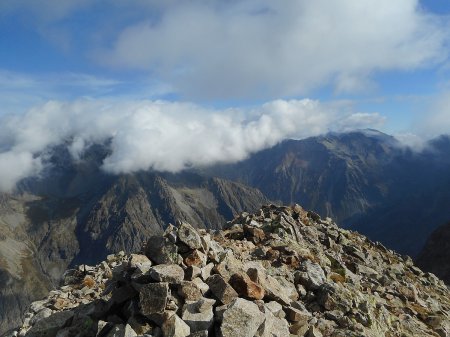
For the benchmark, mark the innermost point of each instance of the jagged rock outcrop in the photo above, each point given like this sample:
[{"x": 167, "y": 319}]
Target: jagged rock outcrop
[
  {"x": 281, "y": 271},
  {"x": 435, "y": 256}
]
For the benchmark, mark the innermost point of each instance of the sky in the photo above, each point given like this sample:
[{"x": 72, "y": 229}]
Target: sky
[{"x": 243, "y": 74}]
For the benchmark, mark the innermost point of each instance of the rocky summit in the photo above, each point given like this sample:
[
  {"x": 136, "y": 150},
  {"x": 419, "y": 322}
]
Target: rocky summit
[{"x": 282, "y": 271}]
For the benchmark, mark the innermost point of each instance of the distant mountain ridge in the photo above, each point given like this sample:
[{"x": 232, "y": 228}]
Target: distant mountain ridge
[
  {"x": 435, "y": 255},
  {"x": 76, "y": 214},
  {"x": 366, "y": 180}
]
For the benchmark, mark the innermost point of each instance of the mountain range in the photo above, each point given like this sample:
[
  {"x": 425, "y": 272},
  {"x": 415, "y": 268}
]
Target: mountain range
[
  {"x": 366, "y": 180},
  {"x": 74, "y": 213}
]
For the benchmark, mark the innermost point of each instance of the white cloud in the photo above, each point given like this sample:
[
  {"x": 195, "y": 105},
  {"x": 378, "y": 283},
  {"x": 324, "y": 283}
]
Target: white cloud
[
  {"x": 161, "y": 135},
  {"x": 278, "y": 48},
  {"x": 436, "y": 120}
]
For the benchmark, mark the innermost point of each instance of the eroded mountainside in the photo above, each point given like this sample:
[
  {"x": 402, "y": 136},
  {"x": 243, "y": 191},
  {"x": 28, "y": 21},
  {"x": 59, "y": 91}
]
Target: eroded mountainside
[
  {"x": 44, "y": 232},
  {"x": 365, "y": 180},
  {"x": 435, "y": 256},
  {"x": 281, "y": 271}
]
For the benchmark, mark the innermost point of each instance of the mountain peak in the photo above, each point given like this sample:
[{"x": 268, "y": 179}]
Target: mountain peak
[{"x": 281, "y": 271}]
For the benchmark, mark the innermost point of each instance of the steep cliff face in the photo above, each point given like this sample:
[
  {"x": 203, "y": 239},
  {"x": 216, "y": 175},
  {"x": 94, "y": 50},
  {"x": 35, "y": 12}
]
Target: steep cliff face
[
  {"x": 43, "y": 234},
  {"x": 435, "y": 256},
  {"x": 365, "y": 180},
  {"x": 280, "y": 272}
]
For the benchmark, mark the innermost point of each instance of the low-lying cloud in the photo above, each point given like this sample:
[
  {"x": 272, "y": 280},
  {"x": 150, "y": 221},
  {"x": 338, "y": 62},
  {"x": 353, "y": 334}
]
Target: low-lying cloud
[{"x": 161, "y": 135}]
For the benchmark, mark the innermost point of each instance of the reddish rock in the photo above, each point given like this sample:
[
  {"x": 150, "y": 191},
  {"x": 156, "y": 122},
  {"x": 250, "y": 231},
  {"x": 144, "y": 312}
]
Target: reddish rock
[{"x": 245, "y": 287}]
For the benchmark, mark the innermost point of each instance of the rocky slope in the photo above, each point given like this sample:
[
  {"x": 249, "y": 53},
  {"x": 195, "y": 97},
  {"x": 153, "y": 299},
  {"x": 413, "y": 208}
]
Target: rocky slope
[
  {"x": 435, "y": 256},
  {"x": 82, "y": 215},
  {"x": 281, "y": 271},
  {"x": 365, "y": 180}
]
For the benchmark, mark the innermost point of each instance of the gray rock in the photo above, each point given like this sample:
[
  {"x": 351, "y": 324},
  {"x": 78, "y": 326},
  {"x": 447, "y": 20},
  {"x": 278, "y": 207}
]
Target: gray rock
[
  {"x": 139, "y": 325},
  {"x": 153, "y": 298},
  {"x": 139, "y": 261},
  {"x": 199, "y": 314},
  {"x": 161, "y": 250},
  {"x": 313, "y": 332},
  {"x": 242, "y": 318},
  {"x": 334, "y": 297},
  {"x": 49, "y": 326},
  {"x": 38, "y": 305},
  {"x": 123, "y": 294},
  {"x": 312, "y": 277},
  {"x": 120, "y": 330},
  {"x": 170, "y": 273},
  {"x": 203, "y": 333},
  {"x": 189, "y": 236},
  {"x": 174, "y": 326},
  {"x": 192, "y": 272},
  {"x": 189, "y": 291},
  {"x": 43, "y": 313},
  {"x": 297, "y": 315},
  {"x": 221, "y": 289},
  {"x": 273, "y": 289},
  {"x": 201, "y": 285},
  {"x": 272, "y": 326},
  {"x": 276, "y": 309}
]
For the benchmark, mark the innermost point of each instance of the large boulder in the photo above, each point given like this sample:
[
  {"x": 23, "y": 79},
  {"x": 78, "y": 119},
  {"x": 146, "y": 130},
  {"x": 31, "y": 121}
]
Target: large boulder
[{"x": 242, "y": 318}]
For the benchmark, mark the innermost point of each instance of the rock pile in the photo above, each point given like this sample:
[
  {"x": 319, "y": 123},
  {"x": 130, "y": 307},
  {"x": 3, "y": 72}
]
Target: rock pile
[{"x": 280, "y": 272}]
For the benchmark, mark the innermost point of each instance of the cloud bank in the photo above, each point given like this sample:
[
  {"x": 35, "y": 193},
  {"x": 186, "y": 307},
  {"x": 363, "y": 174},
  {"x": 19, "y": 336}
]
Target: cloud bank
[
  {"x": 265, "y": 48},
  {"x": 161, "y": 135}
]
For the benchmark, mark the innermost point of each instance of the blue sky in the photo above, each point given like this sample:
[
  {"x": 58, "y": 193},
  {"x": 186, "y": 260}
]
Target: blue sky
[
  {"x": 64, "y": 50},
  {"x": 174, "y": 84},
  {"x": 69, "y": 49}
]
